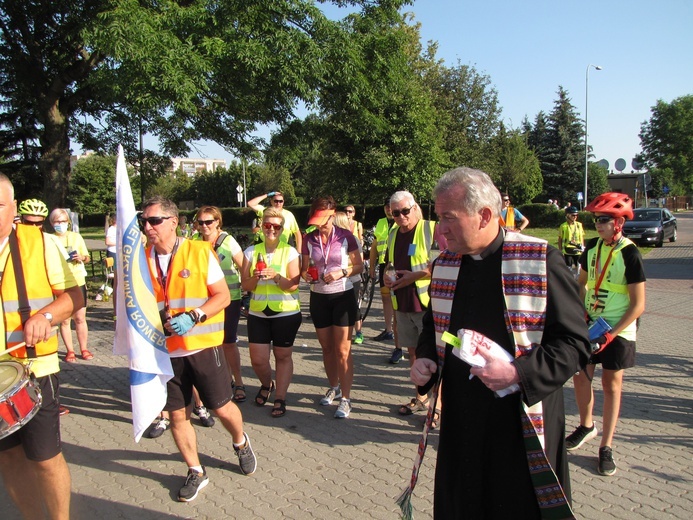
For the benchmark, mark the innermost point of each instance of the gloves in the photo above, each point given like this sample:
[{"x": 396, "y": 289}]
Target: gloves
[
  {"x": 182, "y": 323},
  {"x": 602, "y": 342},
  {"x": 271, "y": 194}
]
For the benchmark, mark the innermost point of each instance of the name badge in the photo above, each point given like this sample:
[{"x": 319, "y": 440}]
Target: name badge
[
  {"x": 412, "y": 249},
  {"x": 185, "y": 273}
]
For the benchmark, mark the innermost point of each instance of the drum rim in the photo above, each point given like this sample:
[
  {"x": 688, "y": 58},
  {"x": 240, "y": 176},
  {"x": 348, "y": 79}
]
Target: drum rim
[{"x": 21, "y": 374}]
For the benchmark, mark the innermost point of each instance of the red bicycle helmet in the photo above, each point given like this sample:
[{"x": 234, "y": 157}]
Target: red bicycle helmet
[{"x": 612, "y": 203}]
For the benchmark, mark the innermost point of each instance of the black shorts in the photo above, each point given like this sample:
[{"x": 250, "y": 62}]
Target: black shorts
[
  {"x": 232, "y": 314},
  {"x": 279, "y": 331},
  {"x": 571, "y": 260},
  {"x": 381, "y": 274},
  {"x": 357, "y": 290},
  {"x": 40, "y": 437},
  {"x": 337, "y": 309},
  {"x": 207, "y": 371},
  {"x": 618, "y": 355}
]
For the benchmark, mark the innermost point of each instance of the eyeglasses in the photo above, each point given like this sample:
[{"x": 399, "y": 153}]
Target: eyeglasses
[
  {"x": 32, "y": 222},
  {"x": 153, "y": 221},
  {"x": 278, "y": 201},
  {"x": 206, "y": 222},
  {"x": 404, "y": 212},
  {"x": 269, "y": 225},
  {"x": 604, "y": 219}
]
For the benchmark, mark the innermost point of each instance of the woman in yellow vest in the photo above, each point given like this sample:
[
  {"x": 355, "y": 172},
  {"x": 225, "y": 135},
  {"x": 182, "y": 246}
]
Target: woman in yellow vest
[
  {"x": 78, "y": 256},
  {"x": 275, "y": 313}
]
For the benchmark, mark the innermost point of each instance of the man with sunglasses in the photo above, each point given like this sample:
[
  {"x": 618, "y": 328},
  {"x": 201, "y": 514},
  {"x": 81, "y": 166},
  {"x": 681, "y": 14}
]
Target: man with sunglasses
[
  {"x": 36, "y": 277},
  {"x": 191, "y": 293},
  {"x": 276, "y": 199},
  {"x": 409, "y": 247},
  {"x": 612, "y": 285}
]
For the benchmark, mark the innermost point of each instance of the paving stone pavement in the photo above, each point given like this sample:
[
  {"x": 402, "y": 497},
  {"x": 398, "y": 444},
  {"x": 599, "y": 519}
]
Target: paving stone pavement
[{"x": 312, "y": 466}]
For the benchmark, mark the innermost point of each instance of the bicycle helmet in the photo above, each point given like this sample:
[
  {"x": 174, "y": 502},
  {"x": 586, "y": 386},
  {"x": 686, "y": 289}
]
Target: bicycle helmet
[
  {"x": 33, "y": 207},
  {"x": 571, "y": 210},
  {"x": 614, "y": 204}
]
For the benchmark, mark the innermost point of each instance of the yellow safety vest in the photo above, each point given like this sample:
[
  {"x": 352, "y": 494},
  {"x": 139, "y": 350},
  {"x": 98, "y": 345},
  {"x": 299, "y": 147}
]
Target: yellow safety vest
[
  {"x": 382, "y": 229},
  {"x": 187, "y": 290},
  {"x": 267, "y": 293},
  {"x": 423, "y": 240},
  {"x": 38, "y": 288}
]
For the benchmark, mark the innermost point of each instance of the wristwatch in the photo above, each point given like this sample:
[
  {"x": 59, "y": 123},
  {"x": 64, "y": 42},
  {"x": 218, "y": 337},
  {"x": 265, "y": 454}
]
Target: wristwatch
[
  {"x": 48, "y": 316},
  {"x": 197, "y": 316},
  {"x": 344, "y": 272}
]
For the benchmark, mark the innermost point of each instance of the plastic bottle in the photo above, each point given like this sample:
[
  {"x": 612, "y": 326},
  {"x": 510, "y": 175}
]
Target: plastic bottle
[
  {"x": 260, "y": 265},
  {"x": 313, "y": 271},
  {"x": 391, "y": 272}
]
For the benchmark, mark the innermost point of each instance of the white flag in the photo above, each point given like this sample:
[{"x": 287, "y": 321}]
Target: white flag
[{"x": 139, "y": 332}]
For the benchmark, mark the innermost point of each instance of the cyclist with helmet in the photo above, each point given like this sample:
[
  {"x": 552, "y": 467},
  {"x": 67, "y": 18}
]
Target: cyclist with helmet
[
  {"x": 32, "y": 212},
  {"x": 571, "y": 239},
  {"x": 612, "y": 284}
]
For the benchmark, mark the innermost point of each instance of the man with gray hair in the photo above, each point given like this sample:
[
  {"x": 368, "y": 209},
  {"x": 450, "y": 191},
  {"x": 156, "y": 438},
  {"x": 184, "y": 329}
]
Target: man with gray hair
[
  {"x": 498, "y": 457},
  {"x": 409, "y": 247}
]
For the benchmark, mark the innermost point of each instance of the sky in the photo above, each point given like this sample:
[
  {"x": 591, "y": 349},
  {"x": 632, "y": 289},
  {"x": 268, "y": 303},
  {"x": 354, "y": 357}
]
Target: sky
[{"x": 529, "y": 48}]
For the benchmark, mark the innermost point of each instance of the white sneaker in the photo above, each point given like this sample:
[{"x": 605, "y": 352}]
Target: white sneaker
[
  {"x": 344, "y": 409},
  {"x": 330, "y": 396}
]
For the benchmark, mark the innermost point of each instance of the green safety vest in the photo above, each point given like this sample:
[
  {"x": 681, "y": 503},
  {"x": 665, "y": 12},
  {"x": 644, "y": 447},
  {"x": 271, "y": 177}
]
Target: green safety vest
[
  {"x": 423, "y": 240},
  {"x": 267, "y": 293}
]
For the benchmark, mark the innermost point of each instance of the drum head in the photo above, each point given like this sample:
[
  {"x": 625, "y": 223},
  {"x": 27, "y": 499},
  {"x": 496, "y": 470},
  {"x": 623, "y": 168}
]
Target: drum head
[{"x": 11, "y": 373}]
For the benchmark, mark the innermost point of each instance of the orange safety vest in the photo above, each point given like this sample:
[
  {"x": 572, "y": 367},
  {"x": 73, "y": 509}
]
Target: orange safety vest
[
  {"x": 187, "y": 290},
  {"x": 38, "y": 288}
]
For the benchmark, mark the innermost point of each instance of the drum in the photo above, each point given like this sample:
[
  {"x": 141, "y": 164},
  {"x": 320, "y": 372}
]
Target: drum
[{"x": 20, "y": 397}]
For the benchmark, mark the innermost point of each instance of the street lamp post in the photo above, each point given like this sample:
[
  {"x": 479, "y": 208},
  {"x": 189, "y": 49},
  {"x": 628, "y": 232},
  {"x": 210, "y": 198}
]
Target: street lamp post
[{"x": 587, "y": 89}]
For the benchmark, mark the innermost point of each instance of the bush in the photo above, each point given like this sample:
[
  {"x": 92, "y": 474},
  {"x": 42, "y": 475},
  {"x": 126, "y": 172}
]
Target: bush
[{"x": 547, "y": 216}]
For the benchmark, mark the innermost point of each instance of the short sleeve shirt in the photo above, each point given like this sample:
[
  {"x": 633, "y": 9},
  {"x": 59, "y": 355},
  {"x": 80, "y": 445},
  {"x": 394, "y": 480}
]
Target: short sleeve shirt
[{"x": 330, "y": 257}]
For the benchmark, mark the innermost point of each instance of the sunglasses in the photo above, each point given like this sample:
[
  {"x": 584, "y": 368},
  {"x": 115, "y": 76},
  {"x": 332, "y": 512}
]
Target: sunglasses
[
  {"x": 278, "y": 201},
  {"x": 269, "y": 225},
  {"x": 206, "y": 222},
  {"x": 30, "y": 223},
  {"x": 397, "y": 212},
  {"x": 506, "y": 200},
  {"x": 153, "y": 221},
  {"x": 350, "y": 211},
  {"x": 605, "y": 219}
]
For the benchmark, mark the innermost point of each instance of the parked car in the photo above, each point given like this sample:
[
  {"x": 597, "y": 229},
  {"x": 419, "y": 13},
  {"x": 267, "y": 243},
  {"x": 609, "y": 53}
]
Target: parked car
[{"x": 651, "y": 226}]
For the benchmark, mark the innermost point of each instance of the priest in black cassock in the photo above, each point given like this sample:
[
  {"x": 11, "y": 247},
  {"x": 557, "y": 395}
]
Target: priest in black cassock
[{"x": 517, "y": 291}]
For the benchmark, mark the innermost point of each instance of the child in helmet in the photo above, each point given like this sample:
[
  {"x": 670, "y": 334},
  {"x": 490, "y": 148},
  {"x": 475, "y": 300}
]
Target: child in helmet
[{"x": 612, "y": 284}]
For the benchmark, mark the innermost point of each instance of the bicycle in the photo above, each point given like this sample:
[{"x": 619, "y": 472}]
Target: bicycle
[{"x": 367, "y": 290}]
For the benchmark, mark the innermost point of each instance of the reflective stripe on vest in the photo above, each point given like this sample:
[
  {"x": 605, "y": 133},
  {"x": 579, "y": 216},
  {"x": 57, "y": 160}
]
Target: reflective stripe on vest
[
  {"x": 423, "y": 240},
  {"x": 39, "y": 292},
  {"x": 231, "y": 274},
  {"x": 267, "y": 293},
  {"x": 188, "y": 276},
  {"x": 382, "y": 229}
]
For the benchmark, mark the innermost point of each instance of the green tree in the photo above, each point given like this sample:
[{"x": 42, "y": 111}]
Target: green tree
[
  {"x": 516, "y": 168},
  {"x": 597, "y": 182},
  {"x": 92, "y": 184},
  {"x": 667, "y": 142},
  {"x": 199, "y": 69}
]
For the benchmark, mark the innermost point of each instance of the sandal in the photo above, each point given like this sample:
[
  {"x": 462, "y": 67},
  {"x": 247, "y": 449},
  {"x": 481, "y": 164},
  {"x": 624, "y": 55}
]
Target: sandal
[
  {"x": 239, "y": 394},
  {"x": 415, "y": 405},
  {"x": 279, "y": 409},
  {"x": 436, "y": 419},
  {"x": 86, "y": 355},
  {"x": 70, "y": 357},
  {"x": 260, "y": 399}
]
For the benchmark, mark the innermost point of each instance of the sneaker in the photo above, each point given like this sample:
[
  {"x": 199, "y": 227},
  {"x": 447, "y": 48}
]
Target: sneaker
[
  {"x": 193, "y": 484},
  {"x": 343, "y": 410},
  {"x": 246, "y": 457},
  {"x": 396, "y": 356},
  {"x": 330, "y": 396},
  {"x": 607, "y": 466},
  {"x": 358, "y": 338},
  {"x": 64, "y": 410},
  {"x": 205, "y": 417},
  {"x": 580, "y": 436},
  {"x": 161, "y": 425},
  {"x": 384, "y": 335}
]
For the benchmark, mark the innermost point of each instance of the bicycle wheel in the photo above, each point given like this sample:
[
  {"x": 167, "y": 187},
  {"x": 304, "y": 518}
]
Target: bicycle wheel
[{"x": 366, "y": 292}]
